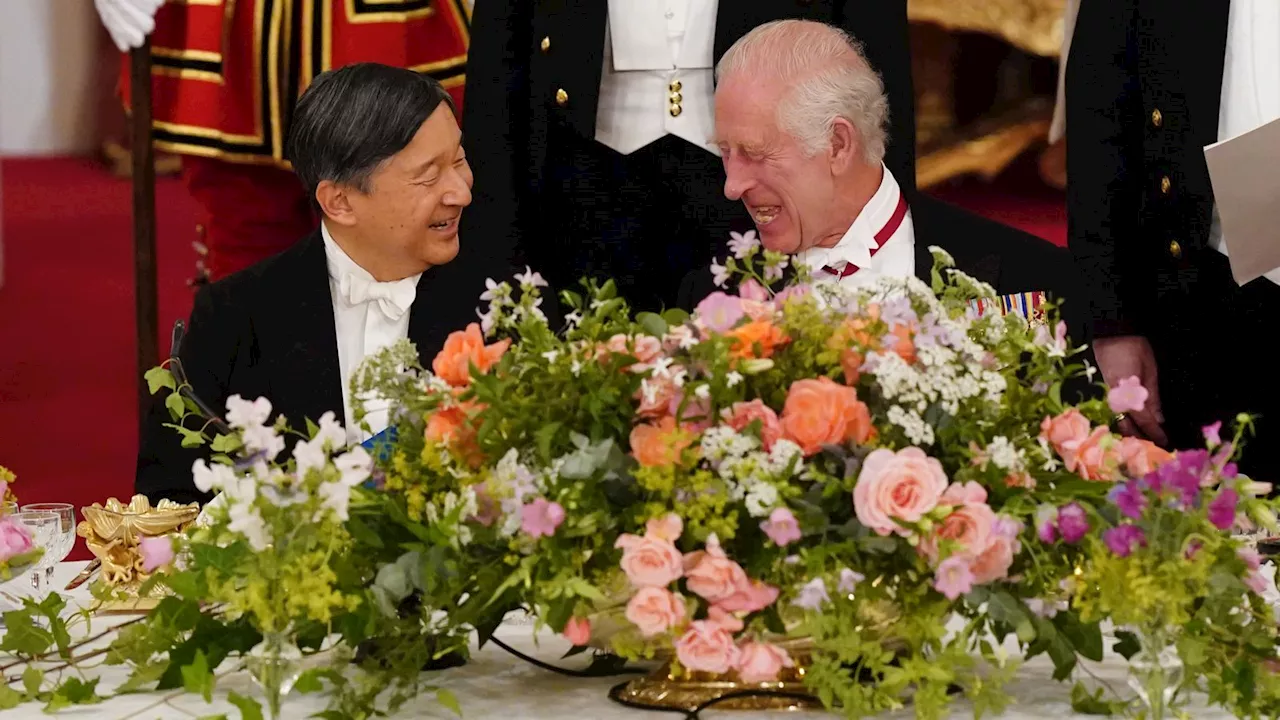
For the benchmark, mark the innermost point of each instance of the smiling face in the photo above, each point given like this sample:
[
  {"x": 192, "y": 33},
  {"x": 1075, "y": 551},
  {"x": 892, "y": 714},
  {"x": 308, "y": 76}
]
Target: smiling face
[
  {"x": 408, "y": 218},
  {"x": 791, "y": 197}
]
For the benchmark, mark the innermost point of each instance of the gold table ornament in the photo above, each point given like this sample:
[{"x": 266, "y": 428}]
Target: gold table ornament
[{"x": 112, "y": 533}]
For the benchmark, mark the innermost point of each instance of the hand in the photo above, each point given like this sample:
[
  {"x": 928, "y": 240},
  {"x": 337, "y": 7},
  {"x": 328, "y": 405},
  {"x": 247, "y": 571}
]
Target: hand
[
  {"x": 128, "y": 21},
  {"x": 1129, "y": 356}
]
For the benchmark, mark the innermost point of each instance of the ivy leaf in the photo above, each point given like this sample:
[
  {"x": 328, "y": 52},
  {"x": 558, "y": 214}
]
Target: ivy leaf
[
  {"x": 449, "y": 700},
  {"x": 197, "y": 678},
  {"x": 226, "y": 443},
  {"x": 1082, "y": 701},
  {"x": 32, "y": 679},
  {"x": 175, "y": 405},
  {"x": 23, "y": 636},
  {"x": 190, "y": 438},
  {"x": 1087, "y": 638},
  {"x": 74, "y": 691},
  {"x": 9, "y": 698},
  {"x": 142, "y": 679},
  {"x": 249, "y": 708},
  {"x": 159, "y": 377},
  {"x": 1127, "y": 645}
]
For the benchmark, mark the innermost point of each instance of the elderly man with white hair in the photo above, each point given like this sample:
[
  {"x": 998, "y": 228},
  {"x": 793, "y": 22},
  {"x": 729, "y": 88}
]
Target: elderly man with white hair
[{"x": 801, "y": 126}]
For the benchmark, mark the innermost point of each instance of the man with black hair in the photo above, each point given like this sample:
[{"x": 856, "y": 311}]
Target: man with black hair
[{"x": 379, "y": 152}]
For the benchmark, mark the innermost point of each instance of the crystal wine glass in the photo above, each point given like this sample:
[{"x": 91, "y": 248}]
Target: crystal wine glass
[
  {"x": 45, "y": 527},
  {"x": 63, "y": 540}
]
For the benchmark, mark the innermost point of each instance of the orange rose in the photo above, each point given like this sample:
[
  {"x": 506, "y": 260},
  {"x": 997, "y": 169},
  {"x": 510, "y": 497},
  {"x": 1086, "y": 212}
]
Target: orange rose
[
  {"x": 1097, "y": 457},
  {"x": 756, "y": 339},
  {"x": 462, "y": 349},
  {"x": 1069, "y": 427},
  {"x": 851, "y": 362},
  {"x": 903, "y": 344},
  {"x": 742, "y": 414},
  {"x": 1142, "y": 456},
  {"x": 644, "y": 348},
  {"x": 820, "y": 412},
  {"x": 657, "y": 445},
  {"x": 663, "y": 398}
]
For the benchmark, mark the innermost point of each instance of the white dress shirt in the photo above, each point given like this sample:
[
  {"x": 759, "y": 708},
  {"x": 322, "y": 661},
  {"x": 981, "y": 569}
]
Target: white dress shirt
[
  {"x": 368, "y": 316},
  {"x": 658, "y": 76},
  {"x": 893, "y": 255},
  {"x": 1250, "y": 82}
]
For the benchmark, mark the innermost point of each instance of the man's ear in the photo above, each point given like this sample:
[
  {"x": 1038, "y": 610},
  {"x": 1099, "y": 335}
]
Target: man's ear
[
  {"x": 846, "y": 146},
  {"x": 334, "y": 203}
]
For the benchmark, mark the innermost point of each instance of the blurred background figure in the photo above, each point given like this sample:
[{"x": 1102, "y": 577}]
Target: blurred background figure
[
  {"x": 225, "y": 77},
  {"x": 1149, "y": 85}
]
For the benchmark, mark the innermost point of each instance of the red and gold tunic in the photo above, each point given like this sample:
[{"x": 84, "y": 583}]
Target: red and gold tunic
[{"x": 225, "y": 73}]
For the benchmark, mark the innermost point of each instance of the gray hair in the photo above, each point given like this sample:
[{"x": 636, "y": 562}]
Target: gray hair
[{"x": 831, "y": 79}]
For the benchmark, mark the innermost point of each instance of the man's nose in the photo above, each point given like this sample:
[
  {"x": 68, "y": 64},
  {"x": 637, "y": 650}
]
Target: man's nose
[
  {"x": 736, "y": 182},
  {"x": 459, "y": 192}
]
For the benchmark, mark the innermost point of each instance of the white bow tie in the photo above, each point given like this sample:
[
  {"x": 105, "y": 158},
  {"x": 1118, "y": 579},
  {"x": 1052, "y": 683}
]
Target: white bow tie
[{"x": 394, "y": 298}]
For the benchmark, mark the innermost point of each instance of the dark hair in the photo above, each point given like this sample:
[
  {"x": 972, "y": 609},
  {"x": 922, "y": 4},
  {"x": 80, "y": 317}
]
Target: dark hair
[{"x": 353, "y": 118}]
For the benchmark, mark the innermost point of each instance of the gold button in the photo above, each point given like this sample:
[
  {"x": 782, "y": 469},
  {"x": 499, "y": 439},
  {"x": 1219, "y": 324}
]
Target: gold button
[
  {"x": 675, "y": 109},
  {"x": 675, "y": 86},
  {"x": 676, "y": 98},
  {"x": 562, "y": 97},
  {"x": 1156, "y": 118},
  {"x": 1175, "y": 249},
  {"x": 1165, "y": 184},
  {"x": 545, "y": 44}
]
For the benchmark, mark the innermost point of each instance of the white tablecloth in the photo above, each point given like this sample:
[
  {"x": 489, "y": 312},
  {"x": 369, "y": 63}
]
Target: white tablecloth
[{"x": 495, "y": 684}]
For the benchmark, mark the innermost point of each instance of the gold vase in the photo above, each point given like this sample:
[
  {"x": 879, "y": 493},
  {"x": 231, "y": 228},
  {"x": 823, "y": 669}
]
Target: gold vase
[
  {"x": 112, "y": 532},
  {"x": 662, "y": 689}
]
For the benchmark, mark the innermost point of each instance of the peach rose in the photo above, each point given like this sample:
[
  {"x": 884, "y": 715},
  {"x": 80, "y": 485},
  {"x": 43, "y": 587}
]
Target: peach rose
[
  {"x": 660, "y": 444},
  {"x": 819, "y": 412},
  {"x": 650, "y": 561},
  {"x": 578, "y": 631},
  {"x": 851, "y": 363},
  {"x": 1096, "y": 457},
  {"x": 663, "y": 397},
  {"x": 644, "y": 348},
  {"x": 711, "y": 575},
  {"x": 968, "y": 526},
  {"x": 706, "y": 647},
  {"x": 752, "y": 596},
  {"x": 1069, "y": 427},
  {"x": 756, "y": 339},
  {"x": 655, "y": 610},
  {"x": 462, "y": 349},
  {"x": 724, "y": 619},
  {"x": 902, "y": 343},
  {"x": 761, "y": 662},
  {"x": 742, "y": 414},
  {"x": 993, "y": 562},
  {"x": 668, "y": 527},
  {"x": 452, "y": 427},
  {"x": 1141, "y": 457},
  {"x": 897, "y": 486}
]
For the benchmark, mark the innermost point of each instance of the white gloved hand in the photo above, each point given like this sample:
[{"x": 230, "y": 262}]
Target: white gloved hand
[{"x": 128, "y": 21}]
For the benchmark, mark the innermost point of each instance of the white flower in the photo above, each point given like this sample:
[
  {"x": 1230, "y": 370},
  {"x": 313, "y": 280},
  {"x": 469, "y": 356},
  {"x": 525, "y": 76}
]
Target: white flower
[
  {"x": 355, "y": 466},
  {"x": 310, "y": 456},
  {"x": 211, "y": 478},
  {"x": 733, "y": 378},
  {"x": 331, "y": 432},
  {"x": 246, "y": 521},
  {"x": 263, "y": 439},
  {"x": 719, "y": 274},
  {"x": 849, "y": 580},
  {"x": 781, "y": 455},
  {"x": 1004, "y": 454},
  {"x": 551, "y": 355},
  {"x": 493, "y": 290},
  {"x": 576, "y": 367},
  {"x": 336, "y": 497},
  {"x": 773, "y": 270},
  {"x": 242, "y": 414},
  {"x": 703, "y": 391},
  {"x": 529, "y": 278},
  {"x": 573, "y": 319},
  {"x": 741, "y": 244},
  {"x": 761, "y": 498},
  {"x": 487, "y": 321},
  {"x": 813, "y": 595}
]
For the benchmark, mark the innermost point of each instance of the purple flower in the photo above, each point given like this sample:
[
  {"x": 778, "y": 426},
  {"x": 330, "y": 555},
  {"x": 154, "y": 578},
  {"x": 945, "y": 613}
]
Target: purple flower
[
  {"x": 1073, "y": 522},
  {"x": 1129, "y": 498},
  {"x": 1211, "y": 436},
  {"x": 1182, "y": 476},
  {"x": 1193, "y": 547},
  {"x": 541, "y": 518},
  {"x": 1124, "y": 539},
  {"x": 1222, "y": 509},
  {"x": 1230, "y": 471},
  {"x": 898, "y": 311},
  {"x": 1047, "y": 523},
  {"x": 813, "y": 595}
]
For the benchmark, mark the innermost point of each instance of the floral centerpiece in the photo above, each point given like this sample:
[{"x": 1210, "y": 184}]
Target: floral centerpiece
[
  {"x": 848, "y": 488},
  {"x": 17, "y": 548}
]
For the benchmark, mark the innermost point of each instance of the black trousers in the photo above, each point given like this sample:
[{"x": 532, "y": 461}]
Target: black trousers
[
  {"x": 1216, "y": 347},
  {"x": 645, "y": 219}
]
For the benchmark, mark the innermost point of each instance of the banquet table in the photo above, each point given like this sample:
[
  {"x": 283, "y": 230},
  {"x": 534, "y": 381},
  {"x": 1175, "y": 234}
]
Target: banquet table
[{"x": 495, "y": 684}]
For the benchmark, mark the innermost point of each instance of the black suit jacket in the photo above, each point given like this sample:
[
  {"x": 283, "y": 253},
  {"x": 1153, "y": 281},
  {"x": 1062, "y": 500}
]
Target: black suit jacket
[
  {"x": 1143, "y": 88},
  {"x": 512, "y": 83},
  {"x": 269, "y": 331}
]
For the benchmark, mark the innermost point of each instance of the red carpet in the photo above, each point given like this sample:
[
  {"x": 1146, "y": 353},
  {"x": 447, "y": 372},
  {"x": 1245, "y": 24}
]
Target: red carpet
[{"x": 68, "y": 424}]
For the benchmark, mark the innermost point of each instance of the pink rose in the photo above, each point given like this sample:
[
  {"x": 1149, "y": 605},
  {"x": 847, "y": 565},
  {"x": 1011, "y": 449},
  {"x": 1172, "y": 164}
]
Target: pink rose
[
  {"x": 661, "y": 398},
  {"x": 993, "y": 562},
  {"x": 541, "y": 518},
  {"x": 752, "y": 290},
  {"x": 157, "y": 552},
  {"x": 1127, "y": 396},
  {"x": 650, "y": 561},
  {"x": 781, "y": 527},
  {"x": 970, "y": 493},
  {"x": 15, "y": 539},
  {"x": 706, "y": 647},
  {"x": 897, "y": 486},
  {"x": 724, "y": 619},
  {"x": 668, "y": 527},
  {"x": 711, "y": 574},
  {"x": 1069, "y": 427},
  {"x": 761, "y": 662},
  {"x": 578, "y": 631},
  {"x": 749, "y": 597},
  {"x": 644, "y": 348},
  {"x": 970, "y": 527},
  {"x": 742, "y": 414},
  {"x": 655, "y": 610}
]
